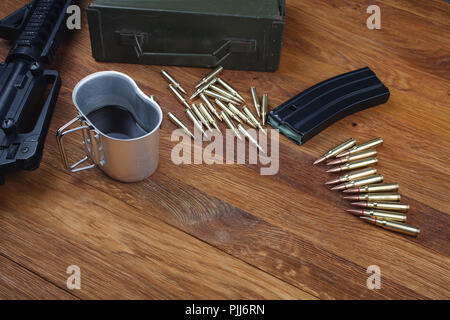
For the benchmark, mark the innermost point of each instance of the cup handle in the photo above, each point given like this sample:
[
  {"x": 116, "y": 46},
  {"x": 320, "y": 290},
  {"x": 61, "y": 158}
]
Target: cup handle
[{"x": 60, "y": 134}]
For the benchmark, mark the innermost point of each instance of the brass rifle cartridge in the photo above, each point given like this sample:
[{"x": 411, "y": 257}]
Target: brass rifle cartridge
[
  {"x": 393, "y": 226},
  {"x": 353, "y": 175},
  {"x": 203, "y": 88},
  {"x": 264, "y": 108},
  {"x": 210, "y": 106},
  {"x": 179, "y": 124},
  {"x": 230, "y": 89},
  {"x": 218, "y": 96},
  {"x": 208, "y": 115},
  {"x": 359, "y": 182},
  {"x": 230, "y": 124},
  {"x": 227, "y": 110},
  {"x": 253, "y": 118},
  {"x": 196, "y": 122},
  {"x": 179, "y": 96},
  {"x": 381, "y": 187},
  {"x": 225, "y": 93},
  {"x": 336, "y": 150},
  {"x": 353, "y": 157},
  {"x": 240, "y": 114},
  {"x": 391, "y": 197},
  {"x": 379, "y": 214},
  {"x": 366, "y": 145},
  {"x": 210, "y": 75},
  {"x": 172, "y": 80},
  {"x": 200, "y": 116},
  {"x": 250, "y": 138},
  {"x": 354, "y": 165},
  {"x": 256, "y": 101},
  {"x": 383, "y": 205}
]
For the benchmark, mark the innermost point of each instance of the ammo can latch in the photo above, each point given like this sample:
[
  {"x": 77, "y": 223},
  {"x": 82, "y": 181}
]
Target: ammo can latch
[{"x": 138, "y": 40}]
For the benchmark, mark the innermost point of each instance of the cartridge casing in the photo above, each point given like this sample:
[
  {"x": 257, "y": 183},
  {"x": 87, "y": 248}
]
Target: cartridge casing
[
  {"x": 200, "y": 116},
  {"x": 399, "y": 227},
  {"x": 230, "y": 113},
  {"x": 203, "y": 88},
  {"x": 379, "y": 214},
  {"x": 240, "y": 114},
  {"x": 253, "y": 118},
  {"x": 354, "y": 165},
  {"x": 383, "y": 205},
  {"x": 230, "y": 124},
  {"x": 364, "y": 146},
  {"x": 264, "y": 108},
  {"x": 357, "y": 156},
  {"x": 353, "y": 175},
  {"x": 249, "y": 137},
  {"x": 336, "y": 150},
  {"x": 172, "y": 81},
  {"x": 196, "y": 122},
  {"x": 208, "y": 115},
  {"x": 179, "y": 96},
  {"x": 394, "y": 226},
  {"x": 218, "y": 96},
  {"x": 359, "y": 182},
  {"x": 391, "y": 197},
  {"x": 179, "y": 124},
  {"x": 209, "y": 76},
  {"x": 210, "y": 106},
  {"x": 367, "y": 180},
  {"x": 233, "y": 91},
  {"x": 224, "y": 93},
  {"x": 382, "y": 187},
  {"x": 256, "y": 103}
]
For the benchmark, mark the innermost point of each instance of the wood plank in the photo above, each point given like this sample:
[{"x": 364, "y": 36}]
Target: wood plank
[
  {"x": 264, "y": 245},
  {"x": 122, "y": 253},
  {"x": 244, "y": 235},
  {"x": 18, "y": 283},
  {"x": 394, "y": 38},
  {"x": 434, "y": 10}
]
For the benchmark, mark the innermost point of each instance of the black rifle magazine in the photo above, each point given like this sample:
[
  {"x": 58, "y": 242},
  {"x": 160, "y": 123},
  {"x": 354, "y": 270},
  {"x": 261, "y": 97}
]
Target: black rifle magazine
[{"x": 318, "y": 107}]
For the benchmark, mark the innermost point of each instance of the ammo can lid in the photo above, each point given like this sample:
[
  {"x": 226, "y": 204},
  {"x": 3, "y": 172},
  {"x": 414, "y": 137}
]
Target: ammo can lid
[{"x": 263, "y": 9}]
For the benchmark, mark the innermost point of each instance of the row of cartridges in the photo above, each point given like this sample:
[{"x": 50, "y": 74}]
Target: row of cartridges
[
  {"x": 205, "y": 114},
  {"x": 378, "y": 203}
]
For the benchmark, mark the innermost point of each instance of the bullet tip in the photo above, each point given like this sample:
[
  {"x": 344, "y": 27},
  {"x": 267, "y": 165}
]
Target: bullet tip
[
  {"x": 350, "y": 197},
  {"x": 359, "y": 204},
  {"x": 321, "y": 159},
  {"x": 336, "y": 169},
  {"x": 334, "y": 162},
  {"x": 346, "y": 153},
  {"x": 339, "y": 187},
  {"x": 369, "y": 220},
  {"x": 355, "y": 212},
  {"x": 334, "y": 181},
  {"x": 353, "y": 190}
]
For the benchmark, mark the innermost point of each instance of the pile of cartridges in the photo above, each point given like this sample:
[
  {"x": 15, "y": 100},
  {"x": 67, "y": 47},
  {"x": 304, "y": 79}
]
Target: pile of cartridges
[
  {"x": 378, "y": 202},
  {"x": 215, "y": 92}
]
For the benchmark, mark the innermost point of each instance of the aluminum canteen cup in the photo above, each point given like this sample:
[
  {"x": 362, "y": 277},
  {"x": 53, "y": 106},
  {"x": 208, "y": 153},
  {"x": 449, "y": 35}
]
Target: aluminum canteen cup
[{"x": 119, "y": 126}]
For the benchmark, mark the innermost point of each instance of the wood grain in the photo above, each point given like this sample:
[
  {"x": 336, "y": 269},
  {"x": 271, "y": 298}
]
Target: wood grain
[
  {"x": 18, "y": 283},
  {"x": 225, "y": 231}
]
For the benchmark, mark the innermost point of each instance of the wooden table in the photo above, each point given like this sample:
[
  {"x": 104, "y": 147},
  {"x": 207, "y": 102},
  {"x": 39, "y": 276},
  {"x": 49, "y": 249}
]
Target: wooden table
[{"x": 225, "y": 231}]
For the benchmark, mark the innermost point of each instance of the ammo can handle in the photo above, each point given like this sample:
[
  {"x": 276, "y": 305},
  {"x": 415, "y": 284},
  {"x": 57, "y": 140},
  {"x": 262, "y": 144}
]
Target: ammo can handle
[{"x": 197, "y": 59}]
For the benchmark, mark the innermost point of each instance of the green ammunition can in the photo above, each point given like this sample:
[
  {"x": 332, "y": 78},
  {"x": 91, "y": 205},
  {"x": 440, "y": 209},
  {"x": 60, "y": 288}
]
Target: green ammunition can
[{"x": 235, "y": 34}]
